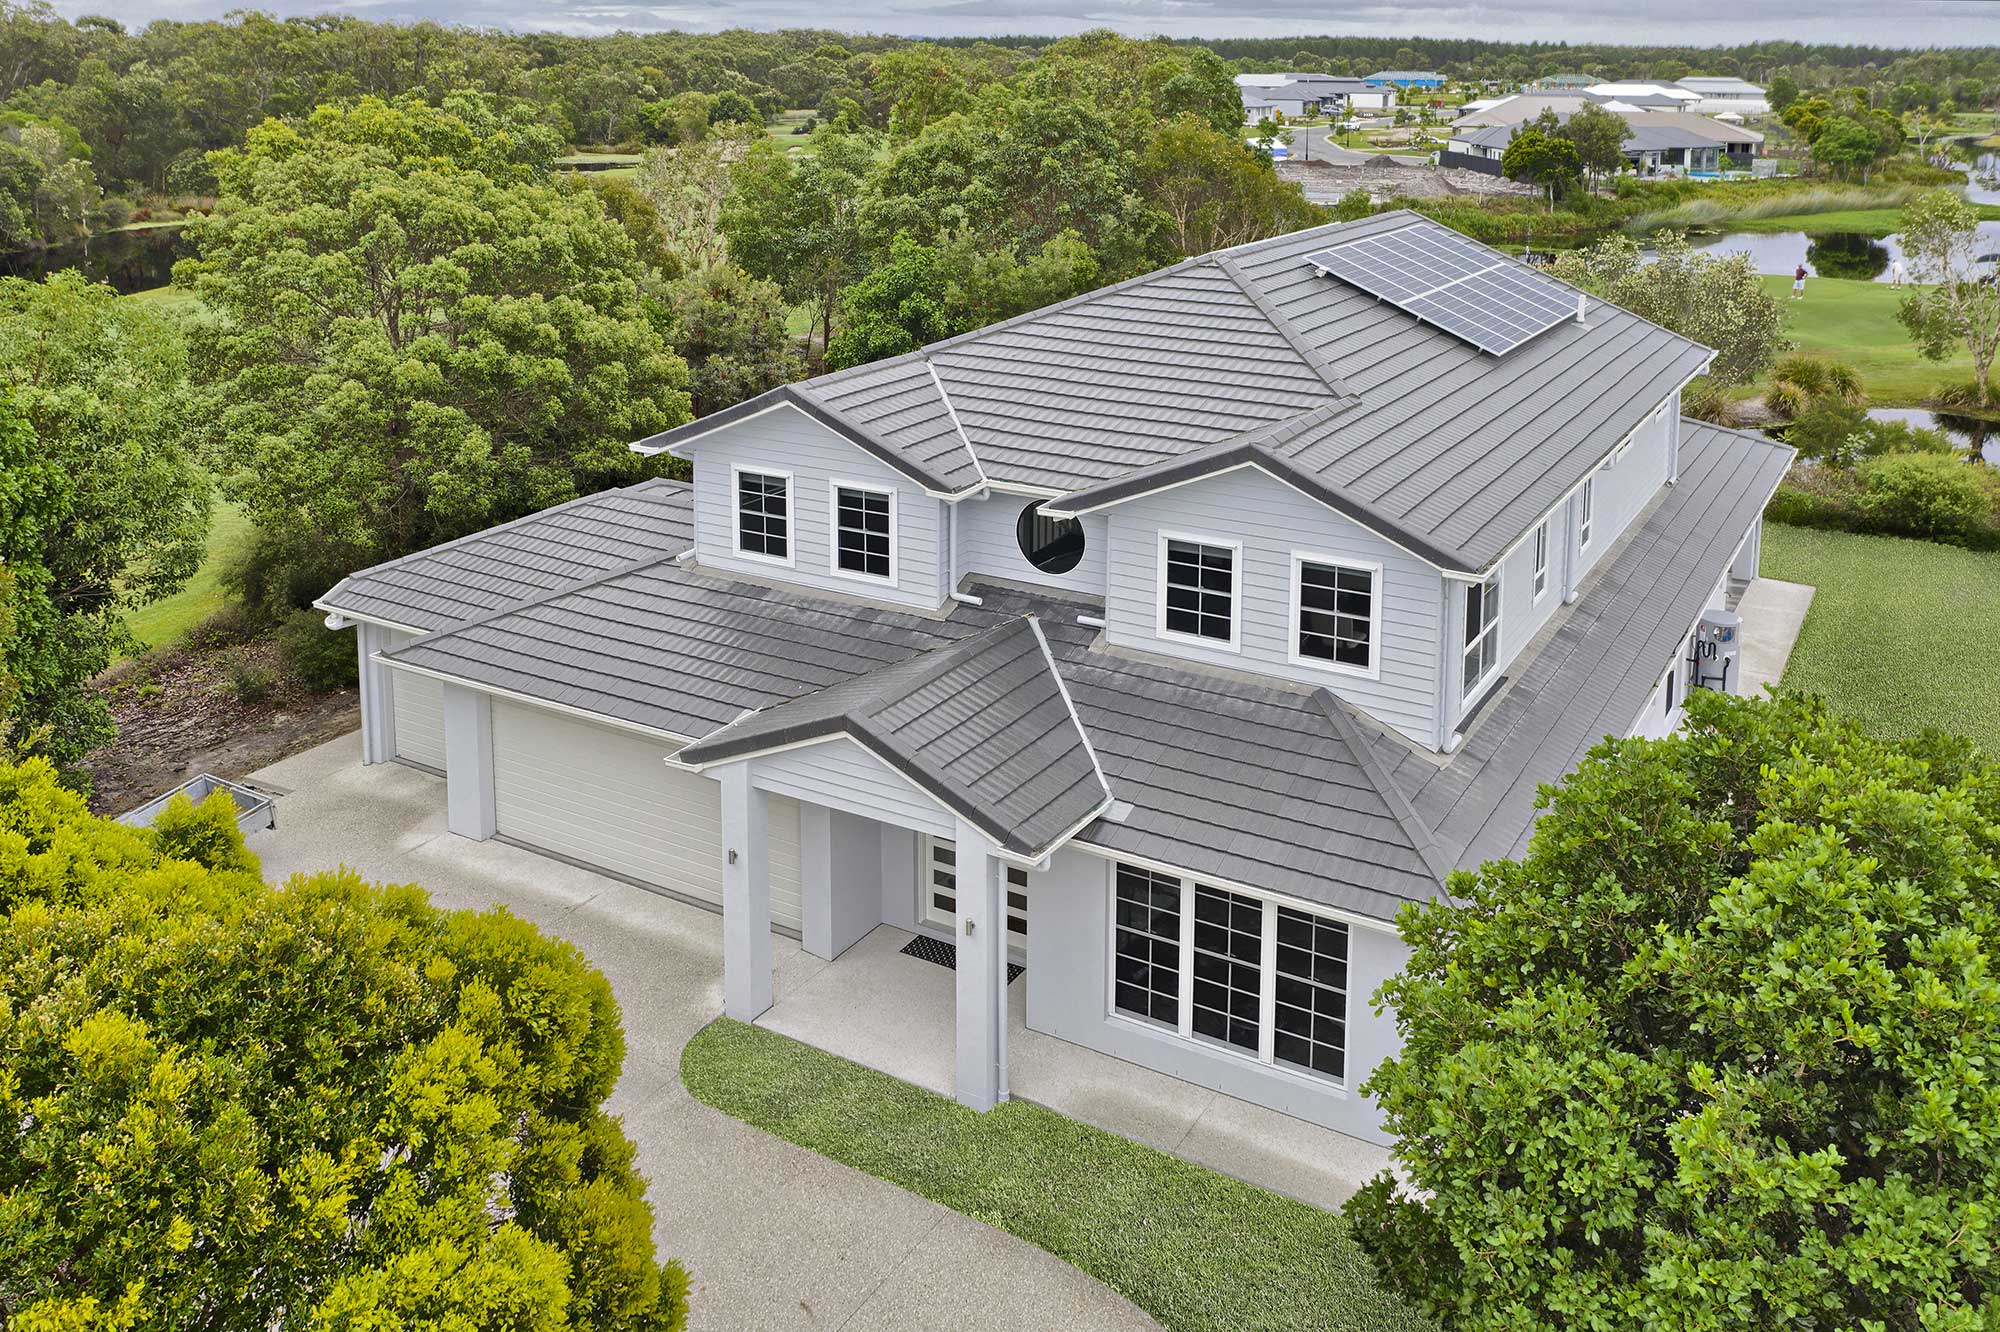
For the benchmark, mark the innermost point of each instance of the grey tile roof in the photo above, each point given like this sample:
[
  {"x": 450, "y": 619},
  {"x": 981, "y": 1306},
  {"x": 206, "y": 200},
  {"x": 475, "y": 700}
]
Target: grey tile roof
[
  {"x": 1451, "y": 452},
  {"x": 1591, "y": 670},
  {"x": 1261, "y": 783},
  {"x": 554, "y": 548},
  {"x": 983, "y": 725}
]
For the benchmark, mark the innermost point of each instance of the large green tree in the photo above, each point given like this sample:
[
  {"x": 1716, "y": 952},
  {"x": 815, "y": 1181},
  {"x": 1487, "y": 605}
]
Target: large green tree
[
  {"x": 1957, "y": 301},
  {"x": 329, "y": 1105},
  {"x": 1717, "y": 1053},
  {"x": 1215, "y": 191},
  {"x": 1717, "y": 300},
  {"x": 1543, "y": 160},
  {"x": 406, "y": 348},
  {"x": 797, "y": 223},
  {"x": 102, "y": 506},
  {"x": 730, "y": 328}
]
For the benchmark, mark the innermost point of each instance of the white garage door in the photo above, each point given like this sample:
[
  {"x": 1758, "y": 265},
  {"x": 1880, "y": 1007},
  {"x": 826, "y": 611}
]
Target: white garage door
[
  {"x": 606, "y": 798},
  {"x": 419, "y": 713}
]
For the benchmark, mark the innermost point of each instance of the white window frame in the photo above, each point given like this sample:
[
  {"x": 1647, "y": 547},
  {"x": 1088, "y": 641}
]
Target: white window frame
[
  {"x": 1300, "y": 559},
  {"x": 1267, "y": 979},
  {"x": 1234, "y": 643},
  {"x": 1586, "y": 500},
  {"x": 1471, "y": 691},
  {"x": 1541, "y": 560},
  {"x": 834, "y": 486},
  {"x": 791, "y": 555}
]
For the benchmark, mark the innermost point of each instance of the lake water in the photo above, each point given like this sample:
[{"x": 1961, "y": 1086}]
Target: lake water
[
  {"x": 129, "y": 260},
  {"x": 1978, "y": 437},
  {"x": 1834, "y": 254},
  {"x": 1982, "y": 179}
]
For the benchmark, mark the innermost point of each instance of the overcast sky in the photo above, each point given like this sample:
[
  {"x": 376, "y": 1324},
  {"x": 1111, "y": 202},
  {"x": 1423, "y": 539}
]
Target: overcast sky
[{"x": 1867, "y": 22}]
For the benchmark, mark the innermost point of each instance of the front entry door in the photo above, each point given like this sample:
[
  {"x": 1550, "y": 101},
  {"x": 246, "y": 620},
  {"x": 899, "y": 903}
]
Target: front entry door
[{"x": 938, "y": 881}]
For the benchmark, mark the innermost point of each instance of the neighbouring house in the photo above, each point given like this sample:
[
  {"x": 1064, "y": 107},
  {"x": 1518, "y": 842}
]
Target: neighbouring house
[
  {"x": 1646, "y": 96},
  {"x": 1167, "y": 641},
  {"x": 1407, "y": 78},
  {"x": 1307, "y": 94},
  {"x": 1720, "y": 96},
  {"x": 1655, "y": 141},
  {"x": 1562, "y": 82}
]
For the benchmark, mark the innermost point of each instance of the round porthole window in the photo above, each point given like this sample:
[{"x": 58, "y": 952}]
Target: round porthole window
[{"x": 1053, "y": 545}]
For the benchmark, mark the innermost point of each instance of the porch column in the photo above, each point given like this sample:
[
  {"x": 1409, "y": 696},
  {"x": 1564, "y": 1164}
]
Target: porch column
[
  {"x": 378, "y": 696},
  {"x": 746, "y": 896},
  {"x": 982, "y": 972},
  {"x": 468, "y": 762}
]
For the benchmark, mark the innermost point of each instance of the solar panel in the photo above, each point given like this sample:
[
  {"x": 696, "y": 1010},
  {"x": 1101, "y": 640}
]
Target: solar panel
[{"x": 1461, "y": 287}]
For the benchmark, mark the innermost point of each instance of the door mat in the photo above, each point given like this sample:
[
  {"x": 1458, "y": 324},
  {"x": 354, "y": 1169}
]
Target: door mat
[{"x": 946, "y": 955}]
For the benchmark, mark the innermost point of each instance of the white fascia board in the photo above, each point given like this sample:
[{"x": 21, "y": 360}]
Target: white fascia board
[
  {"x": 529, "y": 700},
  {"x": 376, "y": 620}
]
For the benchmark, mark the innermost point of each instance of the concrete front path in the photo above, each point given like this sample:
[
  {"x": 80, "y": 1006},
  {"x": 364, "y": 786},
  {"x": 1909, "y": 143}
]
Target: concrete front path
[
  {"x": 773, "y": 1235},
  {"x": 1773, "y": 613}
]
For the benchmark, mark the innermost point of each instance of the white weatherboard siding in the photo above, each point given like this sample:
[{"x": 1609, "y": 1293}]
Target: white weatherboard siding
[
  {"x": 1628, "y": 485},
  {"x": 1272, "y": 520},
  {"x": 787, "y": 440},
  {"x": 987, "y": 545},
  {"x": 842, "y": 775},
  {"x": 419, "y": 708},
  {"x": 607, "y": 799}
]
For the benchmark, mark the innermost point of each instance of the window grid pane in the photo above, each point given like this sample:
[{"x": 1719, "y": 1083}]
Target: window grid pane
[
  {"x": 1227, "y": 963},
  {"x": 1146, "y": 980},
  {"x": 1198, "y": 589},
  {"x": 762, "y": 516},
  {"x": 1542, "y": 558},
  {"x": 862, "y": 532},
  {"x": 1310, "y": 1015},
  {"x": 1336, "y": 611},
  {"x": 1482, "y": 633}
]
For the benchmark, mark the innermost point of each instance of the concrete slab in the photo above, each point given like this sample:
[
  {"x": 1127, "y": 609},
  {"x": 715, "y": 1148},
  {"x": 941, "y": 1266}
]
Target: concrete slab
[
  {"x": 893, "y": 1013},
  {"x": 1773, "y": 612},
  {"x": 774, "y": 1236}
]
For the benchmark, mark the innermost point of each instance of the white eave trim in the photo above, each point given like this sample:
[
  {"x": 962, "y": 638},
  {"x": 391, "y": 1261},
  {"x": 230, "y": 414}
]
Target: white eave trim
[{"x": 376, "y": 620}]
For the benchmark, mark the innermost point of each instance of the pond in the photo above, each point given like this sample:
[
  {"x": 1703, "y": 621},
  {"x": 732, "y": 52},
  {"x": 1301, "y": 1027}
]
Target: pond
[
  {"x": 1978, "y": 437},
  {"x": 1836, "y": 254},
  {"x": 130, "y": 261},
  {"x": 1982, "y": 179}
]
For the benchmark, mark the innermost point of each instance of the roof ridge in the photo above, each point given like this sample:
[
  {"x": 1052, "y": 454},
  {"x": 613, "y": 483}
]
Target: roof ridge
[
  {"x": 1286, "y": 329},
  {"x": 508, "y": 526},
  {"x": 1422, "y": 840},
  {"x": 1062, "y": 687},
  {"x": 958, "y": 425}
]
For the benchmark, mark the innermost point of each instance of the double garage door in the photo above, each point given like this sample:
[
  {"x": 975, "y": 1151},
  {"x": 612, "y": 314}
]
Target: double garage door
[{"x": 606, "y": 798}]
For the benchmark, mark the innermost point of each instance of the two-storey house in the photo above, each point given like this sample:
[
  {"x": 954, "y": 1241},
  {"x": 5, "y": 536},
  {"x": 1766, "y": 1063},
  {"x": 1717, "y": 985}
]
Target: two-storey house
[{"x": 1167, "y": 640}]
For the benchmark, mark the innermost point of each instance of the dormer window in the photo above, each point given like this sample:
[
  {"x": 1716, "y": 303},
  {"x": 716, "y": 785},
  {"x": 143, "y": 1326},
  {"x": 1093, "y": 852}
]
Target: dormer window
[
  {"x": 864, "y": 531},
  {"x": 1198, "y": 589},
  {"x": 764, "y": 515}
]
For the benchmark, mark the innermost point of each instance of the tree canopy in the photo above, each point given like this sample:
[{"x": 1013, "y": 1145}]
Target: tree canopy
[
  {"x": 408, "y": 348},
  {"x": 102, "y": 505},
  {"x": 1957, "y": 301},
  {"x": 1712, "y": 1054},
  {"x": 327, "y": 1105}
]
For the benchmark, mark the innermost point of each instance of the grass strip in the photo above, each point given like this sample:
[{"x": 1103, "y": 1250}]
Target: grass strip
[{"x": 1198, "y": 1251}]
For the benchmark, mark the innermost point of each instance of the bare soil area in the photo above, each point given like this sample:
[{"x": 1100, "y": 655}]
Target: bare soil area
[
  {"x": 181, "y": 713},
  {"x": 1385, "y": 178}
]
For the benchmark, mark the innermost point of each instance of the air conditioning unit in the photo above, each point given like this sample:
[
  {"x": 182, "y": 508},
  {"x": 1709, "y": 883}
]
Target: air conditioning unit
[{"x": 1714, "y": 651}]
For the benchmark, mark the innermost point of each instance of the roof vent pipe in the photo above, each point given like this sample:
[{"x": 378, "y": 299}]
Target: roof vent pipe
[{"x": 1579, "y": 307}]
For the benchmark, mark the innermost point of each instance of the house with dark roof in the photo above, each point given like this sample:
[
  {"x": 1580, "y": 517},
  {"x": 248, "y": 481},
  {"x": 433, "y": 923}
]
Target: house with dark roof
[{"x": 1166, "y": 641}]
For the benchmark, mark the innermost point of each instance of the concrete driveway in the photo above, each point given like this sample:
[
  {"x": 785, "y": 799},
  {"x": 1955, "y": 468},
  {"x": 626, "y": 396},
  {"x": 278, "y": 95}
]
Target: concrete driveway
[{"x": 774, "y": 1236}]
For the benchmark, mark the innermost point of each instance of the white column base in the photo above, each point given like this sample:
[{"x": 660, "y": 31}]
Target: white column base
[
  {"x": 981, "y": 1074},
  {"x": 468, "y": 762},
  {"x": 746, "y": 896}
]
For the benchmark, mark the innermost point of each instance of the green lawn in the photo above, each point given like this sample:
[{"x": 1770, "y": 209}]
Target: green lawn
[
  {"x": 1902, "y": 634},
  {"x": 1855, "y": 322},
  {"x": 164, "y": 622},
  {"x": 1198, "y": 1251}
]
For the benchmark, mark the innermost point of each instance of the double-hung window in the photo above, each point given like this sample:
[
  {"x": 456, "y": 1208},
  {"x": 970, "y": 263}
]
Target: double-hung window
[
  {"x": 864, "y": 531},
  {"x": 1541, "y": 559},
  {"x": 1482, "y": 633},
  {"x": 1230, "y": 970},
  {"x": 1585, "y": 501},
  {"x": 1337, "y": 613},
  {"x": 1198, "y": 588},
  {"x": 764, "y": 514}
]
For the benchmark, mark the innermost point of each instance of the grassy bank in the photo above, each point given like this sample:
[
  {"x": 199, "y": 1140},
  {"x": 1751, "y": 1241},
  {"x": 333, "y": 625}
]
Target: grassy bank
[
  {"x": 1855, "y": 323},
  {"x": 1759, "y": 206},
  {"x": 1902, "y": 634},
  {"x": 166, "y": 621},
  {"x": 1198, "y": 1251}
]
